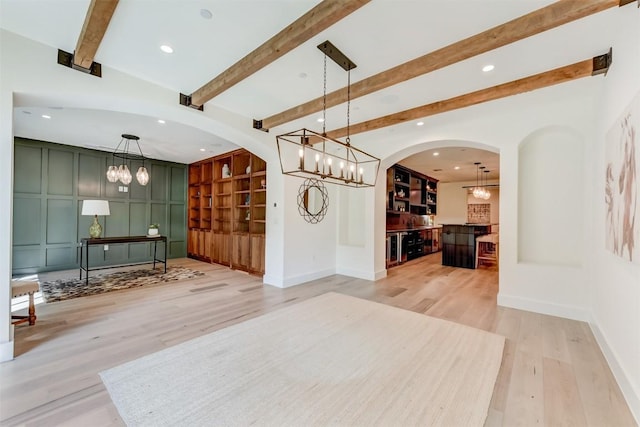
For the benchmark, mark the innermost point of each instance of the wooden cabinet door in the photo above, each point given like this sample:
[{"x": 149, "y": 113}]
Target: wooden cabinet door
[
  {"x": 192, "y": 242},
  {"x": 240, "y": 251},
  {"x": 206, "y": 253},
  {"x": 257, "y": 254},
  {"x": 200, "y": 247},
  {"x": 435, "y": 242},
  {"x": 221, "y": 248}
]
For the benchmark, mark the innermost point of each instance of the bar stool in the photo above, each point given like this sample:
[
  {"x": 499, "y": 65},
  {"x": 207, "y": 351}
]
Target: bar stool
[
  {"x": 19, "y": 288},
  {"x": 487, "y": 249}
]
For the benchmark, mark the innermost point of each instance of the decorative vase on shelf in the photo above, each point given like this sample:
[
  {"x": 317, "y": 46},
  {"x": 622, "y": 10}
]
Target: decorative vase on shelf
[{"x": 226, "y": 173}]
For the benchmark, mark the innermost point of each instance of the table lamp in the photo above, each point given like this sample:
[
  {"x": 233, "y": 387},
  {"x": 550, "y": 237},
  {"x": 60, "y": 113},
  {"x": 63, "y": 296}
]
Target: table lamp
[{"x": 95, "y": 208}]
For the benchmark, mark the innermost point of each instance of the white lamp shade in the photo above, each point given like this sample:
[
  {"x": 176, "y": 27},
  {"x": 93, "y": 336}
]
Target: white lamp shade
[{"x": 95, "y": 207}]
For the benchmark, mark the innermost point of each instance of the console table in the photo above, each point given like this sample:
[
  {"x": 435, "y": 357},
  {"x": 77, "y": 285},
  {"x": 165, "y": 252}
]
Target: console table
[{"x": 86, "y": 242}]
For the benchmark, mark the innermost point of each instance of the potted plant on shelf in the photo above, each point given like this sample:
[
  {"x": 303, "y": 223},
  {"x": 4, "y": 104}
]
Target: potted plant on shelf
[{"x": 153, "y": 229}]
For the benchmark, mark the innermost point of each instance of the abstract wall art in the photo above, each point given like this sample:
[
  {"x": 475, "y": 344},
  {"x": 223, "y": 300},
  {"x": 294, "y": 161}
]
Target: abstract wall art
[
  {"x": 622, "y": 184},
  {"x": 479, "y": 213}
]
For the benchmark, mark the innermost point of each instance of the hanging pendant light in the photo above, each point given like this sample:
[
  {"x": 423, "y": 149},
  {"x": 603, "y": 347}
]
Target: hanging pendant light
[
  {"x": 309, "y": 154},
  {"x": 477, "y": 191},
  {"x": 142, "y": 175},
  {"x": 112, "y": 174},
  {"x": 122, "y": 173},
  {"x": 486, "y": 193}
]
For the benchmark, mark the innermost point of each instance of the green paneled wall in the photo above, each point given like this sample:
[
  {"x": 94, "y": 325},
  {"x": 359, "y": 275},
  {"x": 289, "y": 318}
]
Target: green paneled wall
[{"x": 50, "y": 183}]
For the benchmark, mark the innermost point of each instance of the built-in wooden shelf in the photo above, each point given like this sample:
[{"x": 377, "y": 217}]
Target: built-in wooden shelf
[{"x": 227, "y": 214}]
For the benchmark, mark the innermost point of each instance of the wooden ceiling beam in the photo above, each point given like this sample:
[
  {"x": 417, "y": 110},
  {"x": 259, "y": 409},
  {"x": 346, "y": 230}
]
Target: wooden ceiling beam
[
  {"x": 321, "y": 17},
  {"x": 597, "y": 65},
  {"x": 538, "y": 21},
  {"x": 95, "y": 26}
]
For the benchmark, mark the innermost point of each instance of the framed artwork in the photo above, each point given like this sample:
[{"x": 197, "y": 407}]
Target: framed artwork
[
  {"x": 622, "y": 189},
  {"x": 479, "y": 213}
]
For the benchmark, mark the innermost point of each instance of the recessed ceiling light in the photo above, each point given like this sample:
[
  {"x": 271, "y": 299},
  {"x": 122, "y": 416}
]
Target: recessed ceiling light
[
  {"x": 206, "y": 13},
  {"x": 457, "y": 168},
  {"x": 203, "y": 149},
  {"x": 161, "y": 121},
  {"x": 45, "y": 116},
  {"x": 166, "y": 48},
  {"x": 488, "y": 67},
  {"x": 419, "y": 123},
  {"x": 436, "y": 154},
  {"x": 320, "y": 120}
]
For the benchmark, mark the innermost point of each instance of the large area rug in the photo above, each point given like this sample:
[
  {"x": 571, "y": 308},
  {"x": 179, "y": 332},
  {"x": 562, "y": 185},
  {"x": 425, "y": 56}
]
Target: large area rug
[
  {"x": 59, "y": 290},
  {"x": 330, "y": 360}
]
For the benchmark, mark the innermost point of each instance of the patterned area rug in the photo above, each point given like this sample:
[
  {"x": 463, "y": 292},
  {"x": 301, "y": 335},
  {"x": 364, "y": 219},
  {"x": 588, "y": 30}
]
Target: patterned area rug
[{"x": 59, "y": 290}]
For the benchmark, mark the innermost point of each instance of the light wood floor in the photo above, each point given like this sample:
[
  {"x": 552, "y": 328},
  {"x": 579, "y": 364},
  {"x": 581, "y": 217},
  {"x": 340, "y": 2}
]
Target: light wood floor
[{"x": 552, "y": 372}]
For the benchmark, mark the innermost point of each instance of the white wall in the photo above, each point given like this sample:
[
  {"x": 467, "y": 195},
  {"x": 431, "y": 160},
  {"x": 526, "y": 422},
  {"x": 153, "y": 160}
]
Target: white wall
[
  {"x": 550, "y": 198},
  {"x": 615, "y": 301},
  {"x": 6, "y": 200},
  {"x": 360, "y": 250},
  {"x": 310, "y": 249},
  {"x": 452, "y": 203},
  {"x": 453, "y": 200}
]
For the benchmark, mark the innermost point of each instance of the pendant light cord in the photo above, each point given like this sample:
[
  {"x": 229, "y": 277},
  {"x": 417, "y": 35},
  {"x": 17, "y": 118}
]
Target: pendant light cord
[
  {"x": 348, "y": 140},
  {"x": 324, "y": 99}
]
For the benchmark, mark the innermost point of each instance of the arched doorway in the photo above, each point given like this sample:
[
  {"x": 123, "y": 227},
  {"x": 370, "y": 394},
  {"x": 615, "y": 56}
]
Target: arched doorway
[{"x": 452, "y": 164}]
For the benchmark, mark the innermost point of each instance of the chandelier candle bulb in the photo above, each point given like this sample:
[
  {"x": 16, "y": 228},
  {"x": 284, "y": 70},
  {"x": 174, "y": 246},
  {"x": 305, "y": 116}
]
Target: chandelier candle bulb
[
  {"x": 329, "y": 160},
  {"x": 317, "y": 162},
  {"x": 361, "y": 175},
  {"x": 352, "y": 169},
  {"x": 342, "y": 170},
  {"x": 301, "y": 154}
]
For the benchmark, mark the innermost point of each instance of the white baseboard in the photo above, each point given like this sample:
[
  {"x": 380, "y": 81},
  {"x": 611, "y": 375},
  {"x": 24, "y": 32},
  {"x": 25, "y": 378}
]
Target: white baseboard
[
  {"x": 544, "y": 307},
  {"x": 303, "y": 278},
  {"x": 6, "y": 351},
  {"x": 631, "y": 396},
  {"x": 298, "y": 280},
  {"x": 272, "y": 280},
  {"x": 380, "y": 274},
  {"x": 362, "y": 274}
]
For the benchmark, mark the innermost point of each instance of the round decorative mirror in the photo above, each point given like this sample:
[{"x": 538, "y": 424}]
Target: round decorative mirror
[{"x": 313, "y": 200}]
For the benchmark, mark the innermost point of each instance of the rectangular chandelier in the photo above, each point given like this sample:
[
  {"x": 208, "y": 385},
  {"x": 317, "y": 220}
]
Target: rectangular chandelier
[{"x": 309, "y": 154}]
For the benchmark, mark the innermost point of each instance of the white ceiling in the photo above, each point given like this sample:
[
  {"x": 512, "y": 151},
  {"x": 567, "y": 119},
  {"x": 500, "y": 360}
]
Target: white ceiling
[{"x": 376, "y": 37}]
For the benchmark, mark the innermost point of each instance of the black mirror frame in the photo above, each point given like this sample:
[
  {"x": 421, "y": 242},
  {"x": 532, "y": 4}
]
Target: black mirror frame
[{"x": 303, "y": 193}]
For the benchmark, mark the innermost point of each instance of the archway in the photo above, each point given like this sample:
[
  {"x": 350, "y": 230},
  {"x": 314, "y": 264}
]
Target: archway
[{"x": 450, "y": 190}]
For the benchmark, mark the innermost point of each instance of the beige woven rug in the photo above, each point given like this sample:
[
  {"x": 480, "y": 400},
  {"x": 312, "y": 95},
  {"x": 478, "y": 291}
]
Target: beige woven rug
[{"x": 330, "y": 360}]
